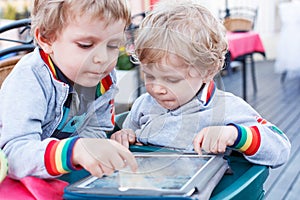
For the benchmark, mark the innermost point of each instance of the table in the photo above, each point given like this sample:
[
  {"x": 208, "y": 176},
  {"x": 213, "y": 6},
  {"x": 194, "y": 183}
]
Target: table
[
  {"x": 246, "y": 181},
  {"x": 243, "y": 45}
]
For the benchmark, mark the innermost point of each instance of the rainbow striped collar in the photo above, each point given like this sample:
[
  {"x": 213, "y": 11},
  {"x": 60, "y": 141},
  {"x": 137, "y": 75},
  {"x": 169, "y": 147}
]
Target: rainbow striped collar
[{"x": 102, "y": 87}]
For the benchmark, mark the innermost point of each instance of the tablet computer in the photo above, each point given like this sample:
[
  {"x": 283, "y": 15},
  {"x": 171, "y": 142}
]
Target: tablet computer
[{"x": 159, "y": 174}]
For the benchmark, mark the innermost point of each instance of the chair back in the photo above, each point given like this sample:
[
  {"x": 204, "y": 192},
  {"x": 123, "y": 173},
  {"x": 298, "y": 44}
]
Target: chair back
[
  {"x": 22, "y": 43},
  {"x": 18, "y": 45},
  {"x": 239, "y": 19},
  {"x": 6, "y": 66}
]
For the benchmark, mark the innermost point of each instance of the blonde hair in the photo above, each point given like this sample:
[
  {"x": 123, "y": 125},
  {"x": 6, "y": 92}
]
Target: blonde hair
[
  {"x": 184, "y": 28},
  {"x": 51, "y": 16}
]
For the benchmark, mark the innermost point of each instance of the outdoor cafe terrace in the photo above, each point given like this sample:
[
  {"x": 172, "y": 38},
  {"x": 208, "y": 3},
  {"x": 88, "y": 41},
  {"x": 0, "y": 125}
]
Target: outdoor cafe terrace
[{"x": 277, "y": 102}]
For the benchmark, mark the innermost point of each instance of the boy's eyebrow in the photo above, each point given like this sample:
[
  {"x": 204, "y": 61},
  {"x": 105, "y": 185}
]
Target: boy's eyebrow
[
  {"x": 91, "y": 37},
  {"x": 149, "y": 71},
  {"x": 95, "y": 38}
]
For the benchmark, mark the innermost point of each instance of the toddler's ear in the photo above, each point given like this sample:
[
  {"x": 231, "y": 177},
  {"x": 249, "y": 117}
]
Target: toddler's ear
[
  {"x": 205, "y": 74},
  {"x": 43, "y": 42},
  {"x": 209, "y": 75}
]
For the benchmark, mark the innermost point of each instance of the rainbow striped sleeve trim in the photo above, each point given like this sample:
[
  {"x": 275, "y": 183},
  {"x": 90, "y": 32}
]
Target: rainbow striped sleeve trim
[
  {"x": 58, "y": 156},
  {"x": 248, "y": 140}
]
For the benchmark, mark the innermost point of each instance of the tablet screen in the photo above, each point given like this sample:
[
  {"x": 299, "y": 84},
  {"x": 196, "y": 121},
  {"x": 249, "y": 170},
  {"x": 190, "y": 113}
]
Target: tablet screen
[{"x": 155, "y": 172}]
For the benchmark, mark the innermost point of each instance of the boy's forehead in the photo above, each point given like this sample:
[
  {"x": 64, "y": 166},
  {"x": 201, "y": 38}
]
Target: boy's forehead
[
  {"x": 169, "y": 59},
  {"x": 87, "y": 28},
  {"x": 109, "y": 11},
  {"x": 167, "y": 63}
]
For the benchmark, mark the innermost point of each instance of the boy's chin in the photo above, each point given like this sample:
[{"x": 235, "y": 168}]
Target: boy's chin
[
  {"x": 169, "y": 106},
  {"x": 88, "y": 84}
]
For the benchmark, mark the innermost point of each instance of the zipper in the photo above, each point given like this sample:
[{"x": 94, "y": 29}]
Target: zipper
[{"x": 61, "y": 108}]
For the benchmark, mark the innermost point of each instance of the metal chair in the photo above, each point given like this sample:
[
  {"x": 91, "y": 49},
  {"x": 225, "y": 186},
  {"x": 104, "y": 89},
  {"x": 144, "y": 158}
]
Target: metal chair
[
  {"x": 239, "y": 19},
  {"x": 23, "y": 44}
]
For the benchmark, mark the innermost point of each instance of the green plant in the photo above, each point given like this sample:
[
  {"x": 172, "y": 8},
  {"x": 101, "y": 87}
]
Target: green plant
[
  {"x": 124, "y": 62},
  {"x": 10, "y": 12}
]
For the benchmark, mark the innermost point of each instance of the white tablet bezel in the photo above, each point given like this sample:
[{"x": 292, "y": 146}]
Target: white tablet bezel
[{"x": 195, "y": 183}]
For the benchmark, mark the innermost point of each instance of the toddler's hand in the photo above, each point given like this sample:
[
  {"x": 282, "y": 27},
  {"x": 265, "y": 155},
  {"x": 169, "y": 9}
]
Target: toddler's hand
[
  {"x": 215, "y": 139},
  {"x": 124, "y": 136},
  {"x": 102, "y": 156}
]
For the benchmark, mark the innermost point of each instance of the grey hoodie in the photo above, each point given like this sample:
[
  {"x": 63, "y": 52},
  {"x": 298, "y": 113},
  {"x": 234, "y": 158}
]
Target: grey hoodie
[{"x": 155, "y": 125}]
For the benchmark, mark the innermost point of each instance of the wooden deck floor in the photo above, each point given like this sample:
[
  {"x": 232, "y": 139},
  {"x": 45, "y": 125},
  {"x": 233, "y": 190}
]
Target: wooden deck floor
[{"x": 279, "y": 103}]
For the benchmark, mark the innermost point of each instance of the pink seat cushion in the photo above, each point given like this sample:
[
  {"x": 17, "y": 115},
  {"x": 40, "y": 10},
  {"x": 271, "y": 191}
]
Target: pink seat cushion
[{"x": 32, "y": 188}]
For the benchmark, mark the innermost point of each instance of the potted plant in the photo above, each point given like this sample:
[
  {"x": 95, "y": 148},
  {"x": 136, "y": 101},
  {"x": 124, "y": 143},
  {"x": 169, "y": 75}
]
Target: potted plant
[{"x": 127, "y": 79}]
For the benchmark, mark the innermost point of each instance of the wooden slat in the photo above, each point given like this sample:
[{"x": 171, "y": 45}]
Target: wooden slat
[
  {"x": 294, "y": 190},
  {"x": 279, "y": 103},
  {"x": 286, "y": 176}
]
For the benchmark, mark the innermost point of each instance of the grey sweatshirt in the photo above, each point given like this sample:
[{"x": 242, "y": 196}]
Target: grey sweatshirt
[{"x": 176, "y": 129}]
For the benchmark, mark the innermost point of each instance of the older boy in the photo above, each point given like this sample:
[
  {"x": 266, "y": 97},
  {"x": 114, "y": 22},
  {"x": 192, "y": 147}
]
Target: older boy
[{"x": 60, "y": 97}]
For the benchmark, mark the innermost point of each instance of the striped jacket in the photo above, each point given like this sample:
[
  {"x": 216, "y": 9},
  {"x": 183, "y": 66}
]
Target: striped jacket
[{"x": 31, "y": 109}]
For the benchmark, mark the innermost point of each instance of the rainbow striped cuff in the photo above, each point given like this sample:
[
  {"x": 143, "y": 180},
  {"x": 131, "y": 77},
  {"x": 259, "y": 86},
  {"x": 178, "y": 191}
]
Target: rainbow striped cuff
[
  {"x": 248, "y": 140},
  {"x": 58, "y": 156}
]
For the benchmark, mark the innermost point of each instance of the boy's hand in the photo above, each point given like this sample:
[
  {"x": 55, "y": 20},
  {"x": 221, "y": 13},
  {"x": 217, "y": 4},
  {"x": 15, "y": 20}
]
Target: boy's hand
[
  {"x": 102, "y": 156},
  {"x": 124, "y": 136},
  {"x": 215, "y": 139}
]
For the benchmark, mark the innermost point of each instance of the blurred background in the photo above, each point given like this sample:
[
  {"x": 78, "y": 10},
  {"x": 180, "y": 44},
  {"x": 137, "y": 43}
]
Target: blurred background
[{"x": 267, "y": 23}]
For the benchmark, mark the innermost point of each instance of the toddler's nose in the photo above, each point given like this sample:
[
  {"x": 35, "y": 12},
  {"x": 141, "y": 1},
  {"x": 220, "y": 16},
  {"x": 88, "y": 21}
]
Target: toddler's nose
[{"x": 159, "y": 89}]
